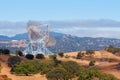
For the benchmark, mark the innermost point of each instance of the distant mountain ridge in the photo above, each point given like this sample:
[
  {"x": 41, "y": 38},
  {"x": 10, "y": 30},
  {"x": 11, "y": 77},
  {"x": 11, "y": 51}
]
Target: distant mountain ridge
[
  {"x": 25, "y": 36},
  {"x": 2, "y": 37},
  {"x": 69, "y": 43}
]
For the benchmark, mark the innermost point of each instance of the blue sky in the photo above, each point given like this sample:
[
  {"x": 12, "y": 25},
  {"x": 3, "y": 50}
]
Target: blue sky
[
  {"x": 24, "y": 10},
  {"x": 84, "y": 18}
]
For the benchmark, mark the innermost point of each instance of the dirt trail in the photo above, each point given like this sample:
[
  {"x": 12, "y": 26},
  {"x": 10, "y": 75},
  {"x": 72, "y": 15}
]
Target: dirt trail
[{"x": 6, "y": 71}]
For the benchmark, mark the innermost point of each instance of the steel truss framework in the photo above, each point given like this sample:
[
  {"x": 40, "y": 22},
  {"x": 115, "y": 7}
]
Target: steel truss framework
[{"x": 38, "y": 38}]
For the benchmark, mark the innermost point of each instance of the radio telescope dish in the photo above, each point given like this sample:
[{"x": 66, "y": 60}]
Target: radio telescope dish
[{"x": 38, "y": 38}]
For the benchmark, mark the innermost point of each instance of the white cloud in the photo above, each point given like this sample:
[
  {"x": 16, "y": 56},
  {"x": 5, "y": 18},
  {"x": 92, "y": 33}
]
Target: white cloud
[
  {"x": 12, "y": 28},
  {"x": 82, "y": 28}
]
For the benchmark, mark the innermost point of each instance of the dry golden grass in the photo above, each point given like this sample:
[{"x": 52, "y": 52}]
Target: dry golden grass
[{"x": 105, "y": 67}]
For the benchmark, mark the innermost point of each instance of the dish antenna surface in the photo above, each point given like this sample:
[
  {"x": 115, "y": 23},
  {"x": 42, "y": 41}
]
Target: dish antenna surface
[{"x": 38, "y": 38}]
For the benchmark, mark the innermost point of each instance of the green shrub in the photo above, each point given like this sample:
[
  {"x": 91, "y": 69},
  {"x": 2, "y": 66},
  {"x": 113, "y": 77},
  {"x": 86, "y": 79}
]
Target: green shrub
[
  {"x": 26, "y": 67},
  {"x": 112, "y": 49},
  {"x": 90, "y": 52},
  {"x": 52, "y": 56},
  {"x": 71, "y": 67},
  {"x": 80, "y": 55},
  {"x": 107, "y": 77},
  {"x": 57, "y": 74},
  {"x": 1, "y": 51},
  {"x": 82, "y": 73},
  {"x": 55, "y": 60},
  {"x": 46, "y": 66},
  {"x": 29, "y": 56},
  {"x": 13, "y": 60},
  {"x": 6, "y": 51},
  {"x": 88, "y": 74},
  {"x": 61, "y": 54},
  {"x": 92, "y": 63},
  {"x": 40, "y": 56},
  {"x": 66, "y": 56},
  {"x": 19, "y": 53},
  {"x": 94, "y": 74}
]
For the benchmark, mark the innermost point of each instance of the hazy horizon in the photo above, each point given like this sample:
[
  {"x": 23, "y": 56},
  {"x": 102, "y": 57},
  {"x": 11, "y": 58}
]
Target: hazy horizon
[
  {"x": 95, "y": 18},
  {"x": 82, "y": 28}
]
